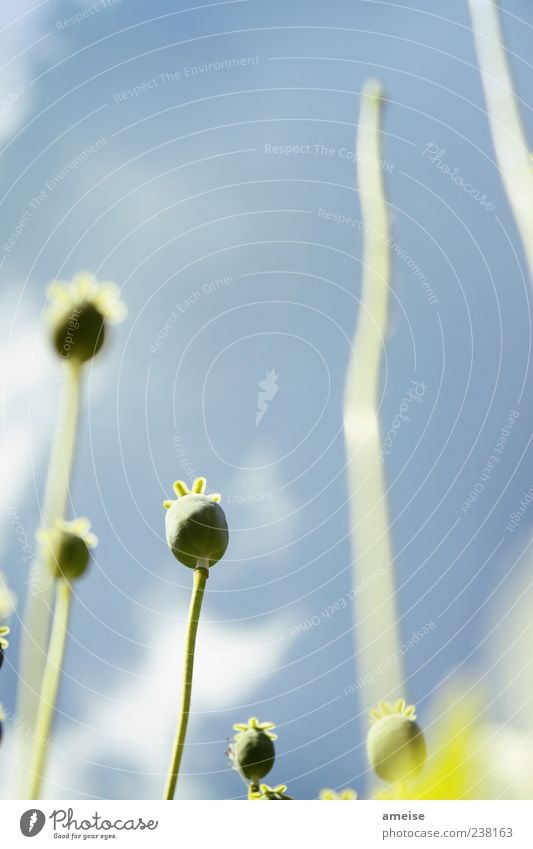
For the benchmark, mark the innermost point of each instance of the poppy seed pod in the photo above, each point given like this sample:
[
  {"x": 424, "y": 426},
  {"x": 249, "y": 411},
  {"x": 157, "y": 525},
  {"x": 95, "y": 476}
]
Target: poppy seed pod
[
  {"x": 196, "y": 527},
  {"x": 78, "y": 315},
  {"x": 70, "y": 544},
  {"x": 253, "y": 753},
  {"x": 396, "y": 747},
  {"x": 79, "y": 332}
]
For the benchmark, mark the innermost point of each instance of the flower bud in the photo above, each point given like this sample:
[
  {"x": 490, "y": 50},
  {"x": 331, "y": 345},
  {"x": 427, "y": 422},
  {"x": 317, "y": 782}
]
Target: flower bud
[
  {"x": 69, "y": 547},
  {"x": 196, "y": 527},
  {"x": 253, "y": 752},
  {"x": 396, "y": 747},
  {"x": 79, "y": 313}
]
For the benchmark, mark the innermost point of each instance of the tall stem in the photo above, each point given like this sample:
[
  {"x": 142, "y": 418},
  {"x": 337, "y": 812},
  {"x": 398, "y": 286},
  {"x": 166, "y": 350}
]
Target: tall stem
[
  {"x": 62, "y": 458},
  {"x": 36, "y": 623},
  {"x": 200, "y": 576},
  {"x": 50, "y": 687},
  {"x": 508, "y": 135},
  {"x": 373, "y": 562}
]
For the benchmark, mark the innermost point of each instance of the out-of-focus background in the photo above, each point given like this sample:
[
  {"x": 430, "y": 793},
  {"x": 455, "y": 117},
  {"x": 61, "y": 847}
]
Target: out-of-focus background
[{"x": 202, "y": 156}]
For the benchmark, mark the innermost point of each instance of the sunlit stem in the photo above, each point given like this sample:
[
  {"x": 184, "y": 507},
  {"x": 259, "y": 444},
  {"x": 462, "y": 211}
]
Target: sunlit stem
[
  {"x": 200, "y": 576},
  {"x": 378, "y": 641},
  {"x": 508, "y": 136},
  {"x": 49, "y": 689},
  {"x": 36, "y": 623}
]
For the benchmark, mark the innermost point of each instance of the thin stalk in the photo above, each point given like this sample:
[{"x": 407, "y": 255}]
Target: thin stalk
[
  {"x": 201, "y": 573},
  {"x": 50, "y": 687},
  {"x": 508, "y": 135},
  {"x": 373, "y": 560},
  {"x": 36, "y": 624},
  {"x": 62, "y": 459}
]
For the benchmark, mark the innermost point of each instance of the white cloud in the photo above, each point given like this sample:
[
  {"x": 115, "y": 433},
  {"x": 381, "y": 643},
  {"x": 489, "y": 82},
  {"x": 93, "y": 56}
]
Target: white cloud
[
  {"x": 23, "y": 41},
  {"x": 267, "y": 512},
  {"x": 27, "y": 399}
]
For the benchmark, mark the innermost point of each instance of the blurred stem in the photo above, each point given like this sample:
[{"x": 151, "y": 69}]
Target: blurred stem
[
  {"x": 508, "y": 136},
  {"x": 50, "y": 687},
  {"x": 62, "y": 458},
  {"x": 36, "y": 624},
  {"x": 200, "y": 575},
  {"x": 373, "y": 563}
]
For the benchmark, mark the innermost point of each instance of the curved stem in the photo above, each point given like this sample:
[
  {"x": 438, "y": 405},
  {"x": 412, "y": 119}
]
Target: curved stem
[
  {"x": 201, "y": 574},
  {"x": 36, "y": 626},
  {"x": 373, "y": 554},
  {"x": 50, "y": 687},
  {"x": 505, "y": 121}
]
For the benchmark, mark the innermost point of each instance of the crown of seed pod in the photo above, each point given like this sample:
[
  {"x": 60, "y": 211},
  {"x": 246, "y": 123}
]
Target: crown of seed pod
[
  {"x": 78, "y": 315},
  {"x": 196, "y": 527},
  {"x": 70, "y": 546},
  {"x": 396, "y": 747},
  {"x": 252, "y": 752},
  {"x": 346, "y": 795},
  {"x": 264, "y": 793}
]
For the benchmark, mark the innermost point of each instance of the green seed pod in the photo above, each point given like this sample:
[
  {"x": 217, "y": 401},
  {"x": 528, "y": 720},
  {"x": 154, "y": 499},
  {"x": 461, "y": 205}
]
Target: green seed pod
[
  {"x": 79, "y": 333},
  {"x": 71, "y": 556},
  {"x": 253, "y": 753},
  {"x": 69, "y": 547},
  {"x": 396, "y": 746},
  {"x": 78, "y": 315},
  {"x": 196, "y": 527}
]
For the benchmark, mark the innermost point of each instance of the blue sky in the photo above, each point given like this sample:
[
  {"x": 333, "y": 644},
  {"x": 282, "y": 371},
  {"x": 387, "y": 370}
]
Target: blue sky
[{"x": 213, "y": 143}]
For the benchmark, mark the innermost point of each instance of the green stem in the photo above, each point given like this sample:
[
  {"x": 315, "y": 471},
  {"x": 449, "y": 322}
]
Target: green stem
[
  {"x": 36, "y": 628},
  {"x": 201, "y": 574},
  {"x": 62, "y": 458},
  {"x": 506, "y": 125},
  {"x": 50, "y": 687},
  {"x": 373, "y": 558}
]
